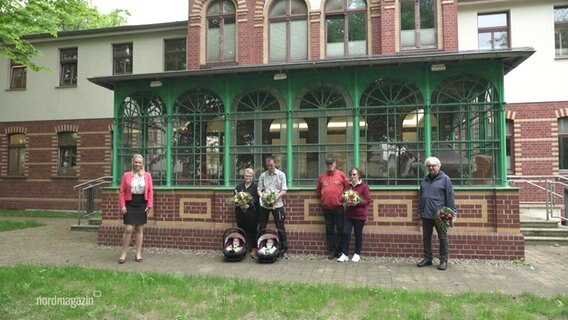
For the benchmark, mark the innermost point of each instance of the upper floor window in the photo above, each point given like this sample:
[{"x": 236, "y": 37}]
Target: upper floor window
[
  {"x": 175, "y": 58},
  {"x": 67, "y": 144},
  {"x": 418, "y": 24},
  {"x": 561, "y": 31},
  {"x": 288, "y": 31},
  {"x": 68, "y": 61},
  {"x": 16, "y": 154},
  {"x": 493, "y": 30},
  {"x": 563, "y": 143},
  {"x": 346, "y": 28},
  {"x": 221, "y": 31},
  {"x": 18, "y": 75},
  {"x": 122, "y": 58}
]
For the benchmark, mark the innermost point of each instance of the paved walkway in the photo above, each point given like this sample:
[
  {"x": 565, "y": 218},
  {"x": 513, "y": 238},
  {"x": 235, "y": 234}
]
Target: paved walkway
[{"x": 544, "y": 273}]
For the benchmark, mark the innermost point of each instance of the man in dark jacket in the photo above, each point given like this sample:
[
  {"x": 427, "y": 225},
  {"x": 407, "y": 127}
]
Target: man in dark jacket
[{"x": 436, "y": 191}]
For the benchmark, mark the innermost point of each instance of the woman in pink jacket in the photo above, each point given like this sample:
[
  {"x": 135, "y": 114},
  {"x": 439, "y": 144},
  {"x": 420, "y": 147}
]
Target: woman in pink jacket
[
  {"x": 136, "y": 197},
  {"x": 355, "y": 216}
]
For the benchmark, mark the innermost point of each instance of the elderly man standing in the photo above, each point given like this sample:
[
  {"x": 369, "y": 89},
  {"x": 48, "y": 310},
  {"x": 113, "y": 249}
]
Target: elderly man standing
[
  {"x": 329, "y": 188},
  {"x": 436, "y": 191},
  {"x": 271, "y": 187}
]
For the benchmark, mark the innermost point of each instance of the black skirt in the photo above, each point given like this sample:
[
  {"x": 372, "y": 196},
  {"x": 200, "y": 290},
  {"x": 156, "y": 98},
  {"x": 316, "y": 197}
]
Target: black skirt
[{"x": 136, "y": 210}]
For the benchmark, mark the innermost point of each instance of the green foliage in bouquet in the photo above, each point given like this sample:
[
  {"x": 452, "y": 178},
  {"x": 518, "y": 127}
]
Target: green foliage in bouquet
[{"x": 445, "y": 218}]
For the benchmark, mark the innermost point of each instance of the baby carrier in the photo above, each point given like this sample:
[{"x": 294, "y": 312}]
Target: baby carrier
[
  {"x": 268, "y": 245},
  {"x": 234, "y": 244}
]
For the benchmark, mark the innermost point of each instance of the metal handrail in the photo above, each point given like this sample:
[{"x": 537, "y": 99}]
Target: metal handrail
[
  {"x": 550, "y": 182},
  {"x": 91, "y": 184}
]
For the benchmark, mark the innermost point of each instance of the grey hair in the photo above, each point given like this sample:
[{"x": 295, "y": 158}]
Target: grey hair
[
  {"x": 433, "y": 161},
  {"x": 250, "y": 170}
]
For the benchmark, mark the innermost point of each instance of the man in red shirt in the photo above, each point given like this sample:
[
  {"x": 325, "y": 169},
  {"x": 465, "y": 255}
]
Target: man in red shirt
[{"x": 329, "y": 188}]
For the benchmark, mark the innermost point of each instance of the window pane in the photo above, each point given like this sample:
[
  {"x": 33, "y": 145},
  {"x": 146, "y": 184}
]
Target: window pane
[
  {"x": 213, "y": 41},
  {"x": 427, "y": 14},
  {"x": 175, "y": 55},
  {"x": 561, "y": 14},
  {"x": 357, "y": 34},
  {"x": 278, "y": 9},
  {"x": 16, "y": 154},
  {"x": 492, "y": 20},
  {"x": 484, "y": 41},
  {"x": 299, "y": 40},
  {"x": 298, "y": 7},
  {"x": 561, "y": 40},
  {"x": 334, "y": 5},
  {"x": 278, "y": 41},
  {"x": 335, "y": 37},
  {"x": 501, "y": 40},
  {"x": 229, "y": 40},
  {"x": 356, "y": 4},
  {"x": 563, "y": 142}
]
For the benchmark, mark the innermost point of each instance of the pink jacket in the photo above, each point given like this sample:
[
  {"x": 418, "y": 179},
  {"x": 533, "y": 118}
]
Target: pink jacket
[{"x": 125, "y": 191}]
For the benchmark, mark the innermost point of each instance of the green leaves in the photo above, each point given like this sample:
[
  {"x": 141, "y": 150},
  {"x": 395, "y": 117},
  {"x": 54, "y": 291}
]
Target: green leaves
[{"x": 19, "y": 18}]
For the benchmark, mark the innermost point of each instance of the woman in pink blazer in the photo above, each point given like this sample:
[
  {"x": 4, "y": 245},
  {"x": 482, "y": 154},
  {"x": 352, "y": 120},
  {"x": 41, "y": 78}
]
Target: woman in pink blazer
[{"x": 136, "y": 197}]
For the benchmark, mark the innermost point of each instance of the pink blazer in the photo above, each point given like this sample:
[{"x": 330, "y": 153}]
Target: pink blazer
[{"x": 125, "y": 191}]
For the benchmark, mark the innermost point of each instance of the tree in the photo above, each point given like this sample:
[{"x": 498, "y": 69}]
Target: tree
[{"x": 19, "y": 18}]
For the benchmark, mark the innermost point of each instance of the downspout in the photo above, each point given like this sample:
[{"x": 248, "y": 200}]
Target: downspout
[
  {"x": 356, "y": 128},
  {"x": 502, "y": 127},
  {"x": 289, "y": 133},
  {"x": 226, "y": 156}
]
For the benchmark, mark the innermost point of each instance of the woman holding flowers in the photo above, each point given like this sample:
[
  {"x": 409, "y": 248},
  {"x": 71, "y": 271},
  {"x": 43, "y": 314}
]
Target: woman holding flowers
[
  {"x": 246, "y": 209},
  {"x": 436, "y": 195},
  {"x": 356, "y": 198}
]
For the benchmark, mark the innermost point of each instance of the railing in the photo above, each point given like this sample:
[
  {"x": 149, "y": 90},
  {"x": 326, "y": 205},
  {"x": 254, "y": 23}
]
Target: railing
[
  {"x": 86, "y": 196},
  {"x": 549, "y": 186}
]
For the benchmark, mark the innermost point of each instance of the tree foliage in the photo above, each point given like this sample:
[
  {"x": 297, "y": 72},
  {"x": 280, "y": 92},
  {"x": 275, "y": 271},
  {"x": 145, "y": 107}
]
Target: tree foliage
[{"x": 19, "y": 18}]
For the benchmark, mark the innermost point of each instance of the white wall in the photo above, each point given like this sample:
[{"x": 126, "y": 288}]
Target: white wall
[
  {"x": 539, "y": 78},
  {"x": 44, "y": 100}
]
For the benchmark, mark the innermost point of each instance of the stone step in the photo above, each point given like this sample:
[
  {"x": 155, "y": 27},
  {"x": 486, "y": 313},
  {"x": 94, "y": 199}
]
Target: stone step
[
  {"x": 556, "y": 241},
  {"x": 85, "y": 227},
  {"x": 545, "y": 232},
  {"x": 95, "y": 221},
  {"x": 543, "y": 224}
]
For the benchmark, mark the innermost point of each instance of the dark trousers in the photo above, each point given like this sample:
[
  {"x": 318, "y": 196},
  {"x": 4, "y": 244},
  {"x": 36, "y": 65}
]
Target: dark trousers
[
  {"x": 357, "y": 226},
  {"x": 428, "y": 226},
  {"x": 248, "y": 221},
  {"x": 279, "y": 217},
  {"x": 333, "y": 228}
]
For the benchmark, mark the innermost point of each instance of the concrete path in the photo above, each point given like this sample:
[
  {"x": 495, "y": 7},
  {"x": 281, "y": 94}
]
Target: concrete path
[{"x": 544, "y": 273}]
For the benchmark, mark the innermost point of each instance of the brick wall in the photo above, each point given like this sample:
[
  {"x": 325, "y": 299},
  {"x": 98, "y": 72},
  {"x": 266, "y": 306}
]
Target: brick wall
[
  {"x": 41, "y": 187},
  {"x": 535, "y": 142},
  {"x": 488, "y": 223}
]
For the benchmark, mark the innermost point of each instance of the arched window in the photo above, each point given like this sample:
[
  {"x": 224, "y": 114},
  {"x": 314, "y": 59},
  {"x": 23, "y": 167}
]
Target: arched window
[
  {"x": 221, "y": 31},
  {"x": 198, "y": 138},
  {"x": 142, "y": 129},
  {"x": 288, "y": 31},
  {"x": 260, "y": 130},
  {"x": 346, "y": 28},
  {"x": 466, "y": 139},
  {"x": 323, "y": 127},
  {"x": 392, "y": 145}
]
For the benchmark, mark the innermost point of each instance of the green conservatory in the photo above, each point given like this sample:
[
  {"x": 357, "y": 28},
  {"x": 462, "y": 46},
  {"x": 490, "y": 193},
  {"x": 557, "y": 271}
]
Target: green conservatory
[{"x": 202, "y": 128}]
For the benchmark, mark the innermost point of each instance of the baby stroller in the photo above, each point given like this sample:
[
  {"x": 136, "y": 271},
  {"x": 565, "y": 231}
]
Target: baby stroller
[
  {"x": 234, "y": 244},
  {"x": 268, "y": 245}
]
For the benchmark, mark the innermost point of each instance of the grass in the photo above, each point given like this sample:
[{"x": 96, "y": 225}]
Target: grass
[
  {"x": 48, "y": 292},
  {"x": 6, "y": 225},
  {"x": 36, "y": 213},
  {"x": 17, "y": 225}
]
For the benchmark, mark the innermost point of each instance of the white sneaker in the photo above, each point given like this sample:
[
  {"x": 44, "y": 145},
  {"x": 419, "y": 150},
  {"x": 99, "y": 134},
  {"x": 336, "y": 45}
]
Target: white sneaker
[
  {"x": 356, "y": 258},
  {"x": 343, "y": 258}
]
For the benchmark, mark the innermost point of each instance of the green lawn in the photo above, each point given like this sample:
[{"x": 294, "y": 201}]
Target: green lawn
[
  {"x": 36, "y": 213},
  {"x": 47, "y": 292},
  {"x": 16, "y": 225}
]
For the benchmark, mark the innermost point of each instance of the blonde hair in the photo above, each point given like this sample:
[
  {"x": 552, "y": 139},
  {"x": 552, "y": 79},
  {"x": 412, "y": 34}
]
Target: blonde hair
[{"x": 134, "y": 156}]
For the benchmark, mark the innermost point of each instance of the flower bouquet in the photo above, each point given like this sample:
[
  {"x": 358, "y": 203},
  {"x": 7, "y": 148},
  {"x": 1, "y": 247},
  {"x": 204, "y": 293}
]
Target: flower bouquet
[
  {"x": 445, "y": 217},
  {"x": 269, "y": 198},
  {"x": 241, "y": 198},
  {"x": 351, "y": 197}
]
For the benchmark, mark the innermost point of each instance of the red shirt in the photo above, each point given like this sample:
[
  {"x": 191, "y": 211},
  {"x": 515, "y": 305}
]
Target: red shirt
[{"x": 330, "y": 188}]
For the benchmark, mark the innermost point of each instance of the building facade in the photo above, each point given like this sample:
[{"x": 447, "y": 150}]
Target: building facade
[{"x": 378, "y": 85}]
